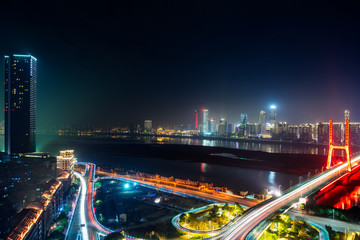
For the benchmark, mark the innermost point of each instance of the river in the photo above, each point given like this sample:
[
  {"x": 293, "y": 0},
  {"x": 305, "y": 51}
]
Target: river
[{"x": 235, "y": 178}]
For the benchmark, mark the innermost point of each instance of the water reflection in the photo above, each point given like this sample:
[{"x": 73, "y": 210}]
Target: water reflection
[
  {"x": 265, "y": 147},
  {"x": 350, "y": 200}
]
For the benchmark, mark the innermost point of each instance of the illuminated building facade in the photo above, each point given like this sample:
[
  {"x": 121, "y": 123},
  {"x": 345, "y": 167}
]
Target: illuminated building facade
[
  {"x": 272, "y": 115},
  {"x": 24, "y": 180},
  {"x": 205, "y": 125},
  {"x": 307, "y": 132},
  {"x": 355, "y": 133},
  {"x": 20, "y": 104},
  {"x": 148, "y": 126},
  {"x": 65, "y": 161},
  {"x": 262, "y": 122},
  {"x": 252, "y": 129},
  {"x": 222, "y": 127},
  {"x": 213, "y": 126}
]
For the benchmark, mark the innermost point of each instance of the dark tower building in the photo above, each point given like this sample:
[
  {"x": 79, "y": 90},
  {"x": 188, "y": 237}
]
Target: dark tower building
[{"x": 20, "y": 104}]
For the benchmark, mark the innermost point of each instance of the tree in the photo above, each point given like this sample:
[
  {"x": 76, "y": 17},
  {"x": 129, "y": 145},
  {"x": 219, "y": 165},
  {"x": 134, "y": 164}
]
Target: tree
[
  {"x": 115, "y": 236},
  {"x": 98, "y": 184},
  {"x": 304, "y": 235},
  {"x": 285, "y": 218},
  {"x": 56, "y": 235}
]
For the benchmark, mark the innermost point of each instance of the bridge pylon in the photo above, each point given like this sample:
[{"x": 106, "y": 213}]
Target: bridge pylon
[{"x": 346, "y": 147}]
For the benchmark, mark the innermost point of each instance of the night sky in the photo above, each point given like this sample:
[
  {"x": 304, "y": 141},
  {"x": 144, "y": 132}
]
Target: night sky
[{"x": 117, "y": 62}]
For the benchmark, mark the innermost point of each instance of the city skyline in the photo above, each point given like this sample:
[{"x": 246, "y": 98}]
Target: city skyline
[
  {"x": 176, "y": 120},
  {"x": 129, "y": 64}
]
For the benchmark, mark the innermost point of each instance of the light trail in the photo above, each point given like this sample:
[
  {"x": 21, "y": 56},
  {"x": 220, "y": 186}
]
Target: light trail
[
  {"x": 84, "y": 229},
  {"x": 89, "y": 201},
  {"x": 246, "y": 224}
]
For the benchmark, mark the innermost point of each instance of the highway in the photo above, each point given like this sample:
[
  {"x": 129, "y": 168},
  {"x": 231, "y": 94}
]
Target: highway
[
  {"x": 84, "y": 222},
  {"x": 243, "y": 227}
]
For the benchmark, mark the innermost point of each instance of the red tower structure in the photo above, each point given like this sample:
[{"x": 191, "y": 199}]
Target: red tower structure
[
  {"x": 196, "y": 120},
  {"x": 346, "y": 147}
]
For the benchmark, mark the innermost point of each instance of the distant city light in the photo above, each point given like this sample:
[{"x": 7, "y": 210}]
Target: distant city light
[{"x": 272, "y": 107}]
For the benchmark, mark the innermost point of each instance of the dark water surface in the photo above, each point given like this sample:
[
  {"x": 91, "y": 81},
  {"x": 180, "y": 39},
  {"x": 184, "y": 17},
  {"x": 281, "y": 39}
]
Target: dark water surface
[{"x": 231, "y": 177}]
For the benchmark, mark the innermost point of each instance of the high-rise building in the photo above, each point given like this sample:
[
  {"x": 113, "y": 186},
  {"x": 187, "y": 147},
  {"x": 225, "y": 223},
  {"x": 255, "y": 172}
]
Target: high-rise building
[
  {"x": 20, "y": 104},
  {"x": 323, "y": 132},
  {"x": 347, "y": 115},
  {"x": 229, "y": 128},
  {"x": 243, "y": 119},
  {"x": 355, "y": 133},
  {"x": 212, "y": 125},
  {"x": 252, "y": 129},
  {"x": 148, "y": 126},
  {"x": 205, "y": 126},
  {"x": 222, "y": 127},
  {"x": 272, "y": 115},
  {"x": 307, "y": 132},
  {"x": 262, "y": 122}
]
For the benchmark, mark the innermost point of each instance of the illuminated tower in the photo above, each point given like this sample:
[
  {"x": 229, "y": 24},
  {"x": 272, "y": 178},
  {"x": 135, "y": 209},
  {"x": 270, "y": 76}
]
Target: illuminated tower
[
  {"x": 272, "y": 115},
  {"x": 332, "y": 147},
  {"x": 20, "y": 104},
  {"x": 196, "y": 120},
  {"x": 205, "y": 127},
  {"x": 262, "y": 122},
  {"x": 347, "y": 115}
]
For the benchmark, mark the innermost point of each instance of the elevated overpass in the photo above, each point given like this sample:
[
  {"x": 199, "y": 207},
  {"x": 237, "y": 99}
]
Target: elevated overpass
[{"x": 242, "y": 228}]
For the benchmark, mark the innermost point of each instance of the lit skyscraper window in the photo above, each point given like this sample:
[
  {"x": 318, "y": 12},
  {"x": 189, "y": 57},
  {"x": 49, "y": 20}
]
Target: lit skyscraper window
[{"x": 20, "y": 104}]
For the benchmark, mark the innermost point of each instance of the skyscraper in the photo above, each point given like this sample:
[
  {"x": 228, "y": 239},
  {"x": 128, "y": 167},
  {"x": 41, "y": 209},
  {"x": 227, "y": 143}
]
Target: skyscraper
[
  {"x": 272, "y": 115},
  {"x": 262, "y": 122},
  {"x": 148, "y": 126},
  {"x": 20, "y": 104},
  {"x": 212, "y": 125},
  {"x": 205, "y": 127},
  {"x": 243, "y": 119},
  {"x": 222, "y": 127}
]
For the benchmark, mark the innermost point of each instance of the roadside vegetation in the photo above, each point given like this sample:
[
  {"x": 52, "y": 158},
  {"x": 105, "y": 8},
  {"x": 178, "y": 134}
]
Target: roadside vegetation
[
  {"x": 351, "y": 215},
  {"x": 211, "y": 218},
  {"x": 283, "y": 227}
]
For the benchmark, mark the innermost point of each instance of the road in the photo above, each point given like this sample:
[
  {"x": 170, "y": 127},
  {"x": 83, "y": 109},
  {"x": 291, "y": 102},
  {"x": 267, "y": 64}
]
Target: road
[
  {"x": 218, "y": 197},
  {"x": 84, "y": 222},
  {"x": 242, "y": 228},
  {"x": 334, "y": 224}
]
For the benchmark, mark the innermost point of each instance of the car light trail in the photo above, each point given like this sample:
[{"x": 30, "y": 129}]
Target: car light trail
[
  {"x": 244, "y": 226},
  {"x": 83, "y": 224}
]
